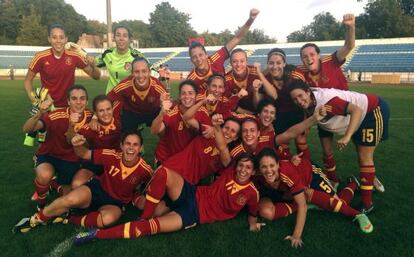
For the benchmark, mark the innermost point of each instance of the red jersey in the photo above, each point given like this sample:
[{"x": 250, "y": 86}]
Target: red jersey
[
  {"x": 330, "y": 74},
  {"x": 108, "y": 136},
  {"x": 223, "y": 105},
  {"x": 224, "y": 199},
  {"x": 234, "y": 85},
  {"x": 177, "y": 134},
  {"x": 216, "y": 65},
  {"x": 134, "y": 100},
  {"x": 295, "y": 178},
  {"x": 57, "y": 75},
  {"x": 118, "y": 180},
  {"x": 56, "y": 124},
  {"x": 199, "y": 159},
  {"x": 284, "y": 102}
]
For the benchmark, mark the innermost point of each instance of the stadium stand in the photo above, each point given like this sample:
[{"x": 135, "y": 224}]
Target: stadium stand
[{"x": 369, "y": 56}]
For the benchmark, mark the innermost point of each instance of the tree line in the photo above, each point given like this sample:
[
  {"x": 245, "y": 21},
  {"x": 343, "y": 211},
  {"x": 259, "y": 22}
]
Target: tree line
[{"x": 25, "y": 22}]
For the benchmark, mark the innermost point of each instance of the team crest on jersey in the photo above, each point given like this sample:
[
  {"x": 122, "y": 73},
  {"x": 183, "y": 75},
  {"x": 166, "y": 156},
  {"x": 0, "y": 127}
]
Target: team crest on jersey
[
  {"x": 133, "y": 98},
  {"x": 68, "y": 60},
  {"x": 127, "y": 66},
  {"x": 241, "y": 200},
  {"x": 137, "y": 232},
  {"x": 180, "y": 125},
  {"x": 133, "y": 180},
  {"x": 324, "y": 78}
]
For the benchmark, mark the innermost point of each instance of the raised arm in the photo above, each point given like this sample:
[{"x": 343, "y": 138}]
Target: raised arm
[
  {"x": 73, "y": 119},
  {"x": 93, "y": 71},
  {"x": 242, "y": 31},
  {"x": 157, "y": 125},
  {"x": 34, "y": 123},
  {"x": 349, "y": 22},
  {"x": 225, "y": 156},
  {"x": 78, "y": 142},
  {"x": 188, "y": 116},
  {"x": 269, "y": 89}
]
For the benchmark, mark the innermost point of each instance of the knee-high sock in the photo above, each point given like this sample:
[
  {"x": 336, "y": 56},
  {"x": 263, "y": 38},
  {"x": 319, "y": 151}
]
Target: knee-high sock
[
  {"x": 366, "y": 176},
  {"x": 330, "y": 203},
  {"x": 156, "y": 190},
  {"x": 330, "y": 167},
  {"x": 284, "y": 209},
  {"x": 56, "y": 186},
  {"x": 347, "y": 194},
  {"x": 90, "y": 220},
  {"x": 132, "y": 229},
  {"x": 41, "y": 191}
]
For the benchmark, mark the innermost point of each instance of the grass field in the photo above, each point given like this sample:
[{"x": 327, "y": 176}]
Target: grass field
[{"x": 325, "y": 234}]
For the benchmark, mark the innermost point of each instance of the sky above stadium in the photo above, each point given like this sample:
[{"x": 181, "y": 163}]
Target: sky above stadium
[{"x": 277, "y": 18}]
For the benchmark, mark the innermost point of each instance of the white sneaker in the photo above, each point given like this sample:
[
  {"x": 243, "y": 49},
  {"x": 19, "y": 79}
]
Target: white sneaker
[{"x": 378, "y": 185}]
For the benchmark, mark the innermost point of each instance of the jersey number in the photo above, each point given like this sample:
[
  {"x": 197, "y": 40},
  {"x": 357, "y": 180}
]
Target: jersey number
[
  {"x": 113, "y": 171},
  {"x": 367, "y": 135},
  {"x": 325, "y": 187}
]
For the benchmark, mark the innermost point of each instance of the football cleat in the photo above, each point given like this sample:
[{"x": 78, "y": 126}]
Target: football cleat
[
  {"x": 28, "y": 140},
  {"x": 85, "y": 237},
  {"x": 367, "y": 210},
  {"x": 364, "y": 223},
  {"x": 378, "y": 185},
  {"x": 354, "y": 179},
  {"x": 27, "y": 224},
  {"x": 64, "y": 219},
  {"x": 312, "y": 206}
]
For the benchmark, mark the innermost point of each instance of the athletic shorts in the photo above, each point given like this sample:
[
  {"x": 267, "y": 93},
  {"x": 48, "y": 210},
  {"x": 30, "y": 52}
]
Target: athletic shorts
[
  {"x": 186, "y": 206},
  {"x": 374, "y": 127},
  {"x": 100, "y": 197},
  {"x": 96, "y": 169},
  {"x": 131, "y": 120},
  {"x": 272, "y": 194},
  {"x": 320, "y": 182},
  {"x": 324, "y": 133},
  {"x": 285, "y": 120},
  {"x": 65, "y": 170}
]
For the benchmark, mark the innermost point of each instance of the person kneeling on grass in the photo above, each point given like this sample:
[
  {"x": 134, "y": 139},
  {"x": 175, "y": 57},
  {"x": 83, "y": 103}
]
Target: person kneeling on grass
[
  {"x": 192, "y": 205},
  {"x": 105, "y": 195},
  {"x": 306, "y": 183}
]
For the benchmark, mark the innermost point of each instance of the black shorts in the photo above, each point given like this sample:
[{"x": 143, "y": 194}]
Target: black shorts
[
  {"x": 65, "y": 170},
  {"x": 96, "y": 169},
  {"x": 100, "y": 197},
  {"x": 272, "y": 194},
  {"x": 186, "y": 206},
  {"x": 320, "y": 182},
  {"x": 285, "y": 120},
  {"x": 131, "y": 120}
]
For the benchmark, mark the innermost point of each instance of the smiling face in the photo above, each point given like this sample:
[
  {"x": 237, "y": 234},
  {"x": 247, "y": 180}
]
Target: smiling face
[
  {"x": 141, "y": 74},
  {"x": 216, "y": 87},
  {"x": 77, "y": 100},
  {"x": 187, "y": 96},
  {"x": 199, "y": 58},
  {"x": 310, "y": 58},
  {"x": 267, "y": 115},
  {"x": 276, "y": 65},
  {"x": 301, "y": 98},
  {"x": 230, "y": 131},
  {"x": 104, "y": 111},
  {"x": 269, "y": 168},
  {"x": 122, "y": 39},
  {"x": 250, "y": 133},
  {"x": 239, "y": 63},
  {"x": 57, "y": 40},
  {"x": 131, "y": 148},
  {"x": 244, "y": 170}
]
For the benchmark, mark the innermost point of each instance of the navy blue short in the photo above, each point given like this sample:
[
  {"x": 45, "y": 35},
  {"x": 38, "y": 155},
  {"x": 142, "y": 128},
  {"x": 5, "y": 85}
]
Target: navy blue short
[
  {"x": 186, "y": 206},
  {"x": 65, "y": 170},
  {"x": 285, "y": 120},
  {"x": 131, "y": 120},
  {"x": 96, "y": 169},
  {"x": 320, "y": 182},
  {"x": 272, "y": 194},
  {"x": 100, "y": 197},
  {"x": 324, "y": 133},
  {"x": 374, "y": 127}
]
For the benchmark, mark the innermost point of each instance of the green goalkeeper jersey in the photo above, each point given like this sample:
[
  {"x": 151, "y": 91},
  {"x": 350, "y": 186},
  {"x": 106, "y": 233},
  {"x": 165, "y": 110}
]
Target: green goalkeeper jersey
[{"x": 118, "y": 65}]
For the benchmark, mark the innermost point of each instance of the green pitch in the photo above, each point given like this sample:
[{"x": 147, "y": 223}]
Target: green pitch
[{"x": 325, "y": 234}]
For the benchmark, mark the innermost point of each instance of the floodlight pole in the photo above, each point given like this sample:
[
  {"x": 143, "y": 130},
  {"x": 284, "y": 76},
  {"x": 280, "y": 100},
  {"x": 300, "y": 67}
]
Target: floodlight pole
[{"x": 109, "y": 22}]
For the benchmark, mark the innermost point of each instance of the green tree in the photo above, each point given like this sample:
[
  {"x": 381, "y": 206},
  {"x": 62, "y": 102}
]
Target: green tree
[
  {"x": 31, "y": 32},
  {"x": 407, "y": 6},
  {"x": 257, "y": 36},
  {"x": 9, "y": 22},
  {"x": 95, "y": 27},
  {"x": 170, "y": 27}
]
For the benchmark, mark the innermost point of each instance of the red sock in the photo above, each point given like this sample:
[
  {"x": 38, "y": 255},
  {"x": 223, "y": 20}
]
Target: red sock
[
  {"x": 41, "y": 191},
  {"x": 330, "y": 203},
  {"x": 304, "y": 149},
  {"x": 330, "y": 167},
  {"x": 347, "y": 194},
  {"x": 366, "y": 176},
  {"x": 89, "y": 220},
  {"x": 136, "y": 198},
  {"x": 42, "y": 216},
  {"x": 132, "y": 229},
  {"x": 156, "y": 191},
  {"x": 56, "y": 186},
  {"x": 284, "y": 209}
]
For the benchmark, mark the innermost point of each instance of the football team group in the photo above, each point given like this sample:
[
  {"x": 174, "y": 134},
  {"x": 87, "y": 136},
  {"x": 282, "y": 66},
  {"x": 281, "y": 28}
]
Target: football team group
[{"x": 223, "y": 144}]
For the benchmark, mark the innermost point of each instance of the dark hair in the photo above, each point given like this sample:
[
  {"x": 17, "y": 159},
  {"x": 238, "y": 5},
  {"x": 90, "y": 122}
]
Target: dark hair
[
  {"x": 215, "y": 76},
  {"x": 123, "y": 27},
  {"x": 244, "y": 157},
  {"x": 193, "y": 45},
  {"x": 276, "y": 51},
  {"x": 132, "y": 132},
  {"x": 140, "y": 59},
  {"x": 310, "y": 45},
  {"x": 233, "y": 119},
  {"x": 263, "y": 103},
  {"x": 190, "y": 83},
  {"x": 237, "y": 50},
  {"x": 251, "y": 120},
  {"x": 55, "y": 26},
  {"x": 98, "y": 99},
  {"x": 266, "y": 152},
  {"x": 76, "y": 87},
  {"x": 298, "y": 84}
]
